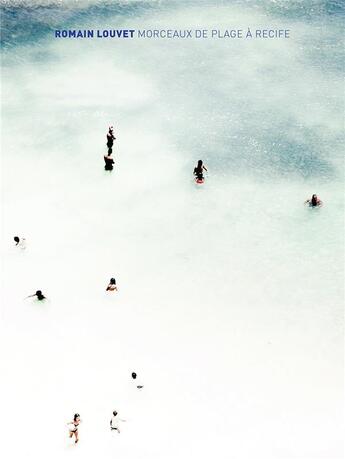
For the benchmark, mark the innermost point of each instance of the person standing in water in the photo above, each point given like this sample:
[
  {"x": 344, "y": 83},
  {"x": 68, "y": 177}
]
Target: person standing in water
[
  {"x": 315, "y": 201},
  {"x": 108, "y": 162},
  {"x": 112, "y": 285},
  {"x": 199, "y": 170},
  {"x": 20, "y": 242},
  {"x": 73, "y": 427},
  {"x": 115, "y": 422},
  {"x": 39, "y": 295},
  {"x": 110, "y": 139}
]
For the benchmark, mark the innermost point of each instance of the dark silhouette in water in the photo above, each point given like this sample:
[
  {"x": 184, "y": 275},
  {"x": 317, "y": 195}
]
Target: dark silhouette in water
[
  {"x": 20, "y": 242},
  {"x": 199, "y": 170},
  {"x": 107, "y": 158},
  {"x": 39, "y": 295},
  {"x": 134, "y": 376},
  {"x": 315, "y": 201},
  {"x": 110, "y": 139},
  {"x": 108, "y": 163}
]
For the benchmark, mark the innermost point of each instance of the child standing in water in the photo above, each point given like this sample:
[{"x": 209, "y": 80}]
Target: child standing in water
[
  {"x": 73, "y": 427},
  {"x": 115, "y": 422}
]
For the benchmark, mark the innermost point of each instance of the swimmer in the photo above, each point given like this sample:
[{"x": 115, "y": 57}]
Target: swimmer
[
  {"x": 110, "y": 138},
  {"x": 199, "y": 170},
  {"x": 20, "y": 242},
  {"x": 73, "y": 429},
  {"x": 39, "y": 295},
  {"x": 115, "y": 422},
  {"x": 108, "y": 163},
  {"x": 315, "y": 201},
  {"x": 112, "y": 285},
  {"x": 134, "y": 376}
]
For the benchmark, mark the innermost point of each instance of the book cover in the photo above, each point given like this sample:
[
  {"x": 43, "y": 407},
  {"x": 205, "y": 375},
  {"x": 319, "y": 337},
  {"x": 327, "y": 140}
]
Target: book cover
[{"x": 172, "y": 229}]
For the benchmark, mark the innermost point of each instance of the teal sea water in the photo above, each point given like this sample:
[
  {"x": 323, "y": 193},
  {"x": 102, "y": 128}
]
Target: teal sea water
[{"x": 230, "y": 301}]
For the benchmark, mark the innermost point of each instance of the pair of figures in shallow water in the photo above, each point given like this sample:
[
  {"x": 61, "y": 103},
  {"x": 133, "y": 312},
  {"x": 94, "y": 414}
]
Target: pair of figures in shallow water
[
  {"x": 73, "y": 426},
  {"x": 114, "y": 422},
  {"x": 108, "y": 159},
  {"x": 315, "y": 201},
  {"x": 111, "y": 287}
]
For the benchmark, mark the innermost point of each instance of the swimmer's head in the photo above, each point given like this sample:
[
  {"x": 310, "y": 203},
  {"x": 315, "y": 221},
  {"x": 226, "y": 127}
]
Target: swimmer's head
[
  {"x": 113, "y": 281},
  {"x": 111, "y": 128},
  {"x": 76, "y": 417},
  {"x": 38, "y": 292},
  {"x": 134, "y": 375},
  {"x": 199, "y": 163},
  {"x": 114, "y": 413},
  {"x": 16, "y": 239}
]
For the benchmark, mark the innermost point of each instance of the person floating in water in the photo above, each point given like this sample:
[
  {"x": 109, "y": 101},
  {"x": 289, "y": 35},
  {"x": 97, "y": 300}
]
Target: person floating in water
[
  {"x": 39, "y": 295},
  {"x": 73, "y": 427},
  {"x": 112, "y": 285},
  {"x": 108, "y": 163},
  {"x": 199, "y": 171},
  {"x": 20, "y": 242},
  {"x": 315, "y": 201},
  {"x": 115, "y": 422},
  {"x": 110, "y": 139},
  {"x": 134, "y": 376}
]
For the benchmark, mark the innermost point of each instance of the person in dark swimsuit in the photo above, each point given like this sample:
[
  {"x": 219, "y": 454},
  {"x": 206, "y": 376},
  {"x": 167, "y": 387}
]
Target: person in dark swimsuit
[
  {"x": 73, "y": 429},
  {"x": 39, "y": 295},
  {"x": 110, "y": 140},
  {"x": 107, "y": 158},
  {"x": 108, "y": 163},
  {"x": 199, "y": 170},
  {"x": 315, "y": 201}
]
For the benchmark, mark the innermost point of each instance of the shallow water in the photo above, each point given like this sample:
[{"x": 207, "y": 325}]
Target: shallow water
[{"x": 230, "y": 302}]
